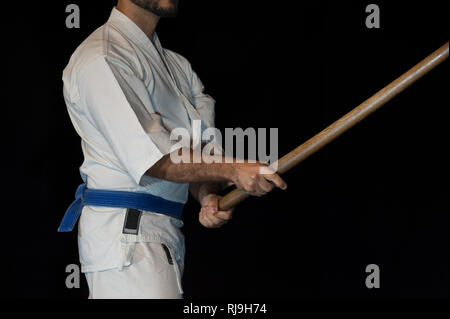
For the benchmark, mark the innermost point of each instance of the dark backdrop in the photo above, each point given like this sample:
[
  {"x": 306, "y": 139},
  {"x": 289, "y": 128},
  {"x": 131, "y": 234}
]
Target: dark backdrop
[{"x": 378, "y": 194}]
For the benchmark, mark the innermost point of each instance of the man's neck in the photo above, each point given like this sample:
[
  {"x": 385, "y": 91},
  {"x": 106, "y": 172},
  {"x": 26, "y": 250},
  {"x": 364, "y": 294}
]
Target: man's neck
[{"x": 144, "y": 19}]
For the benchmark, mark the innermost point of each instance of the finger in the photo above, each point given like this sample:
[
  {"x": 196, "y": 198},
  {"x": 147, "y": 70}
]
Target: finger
[
  {"x": 208, "y": 220},
  {"x": 224, "y": 214},
  {"x": 216, "y": 220},
  {"x": 203, "y": 220},
  {"x": 264, "y": 185},
  {"x": 211, "y": 216},
  {"x": 258, "y": 193},
  {"x": 210, "y": 210},
  {"x": 276, "y": 179},
  {"x": 214, "y": 203},
  {"x": 252, "y": 192}
]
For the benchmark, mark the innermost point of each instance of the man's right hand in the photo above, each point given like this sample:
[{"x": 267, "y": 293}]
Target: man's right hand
[
  {"x": 257, "y": 179},
  {"x": 253, "y": 178}
]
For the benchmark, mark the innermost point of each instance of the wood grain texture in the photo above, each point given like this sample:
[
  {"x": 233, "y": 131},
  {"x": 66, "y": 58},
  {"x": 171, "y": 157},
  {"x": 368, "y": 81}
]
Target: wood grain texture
[{"x": 353, "y": 117}]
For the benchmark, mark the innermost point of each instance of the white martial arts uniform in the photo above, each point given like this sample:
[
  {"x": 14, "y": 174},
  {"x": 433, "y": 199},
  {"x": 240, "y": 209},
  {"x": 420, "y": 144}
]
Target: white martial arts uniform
[{"x": 124, "y": 94}]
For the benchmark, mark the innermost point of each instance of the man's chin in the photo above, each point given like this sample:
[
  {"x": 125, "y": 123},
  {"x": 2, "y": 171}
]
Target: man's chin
[
  {"x": 152, "y": 6},
  {"x": 167, "y": 13},
  {"x": 170, "y": 11}
]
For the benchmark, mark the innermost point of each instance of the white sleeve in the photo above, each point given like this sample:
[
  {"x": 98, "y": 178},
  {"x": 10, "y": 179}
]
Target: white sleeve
[
  {"x": 203, "y": 102},
  {"x": 120, "y": 106},
  {"x": 205, "y": 107}
]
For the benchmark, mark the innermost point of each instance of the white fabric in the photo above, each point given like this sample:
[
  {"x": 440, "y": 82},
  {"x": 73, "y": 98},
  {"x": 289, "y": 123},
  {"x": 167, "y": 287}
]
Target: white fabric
[
  {"x": 123, "y": 102},
  {"x": 151, "y": 275},
  {"x": 146, "y": 271}
]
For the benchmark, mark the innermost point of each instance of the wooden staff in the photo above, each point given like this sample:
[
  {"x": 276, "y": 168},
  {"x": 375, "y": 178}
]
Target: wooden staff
[{"x": 347, "y": 121}]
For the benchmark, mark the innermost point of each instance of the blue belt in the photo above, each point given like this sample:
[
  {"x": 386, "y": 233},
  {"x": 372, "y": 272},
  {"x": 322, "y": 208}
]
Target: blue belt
[{"x": 117, "y": 199}]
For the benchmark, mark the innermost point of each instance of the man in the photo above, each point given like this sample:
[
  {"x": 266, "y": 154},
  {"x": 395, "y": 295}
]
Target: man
[{"x": 124, "y": 94}]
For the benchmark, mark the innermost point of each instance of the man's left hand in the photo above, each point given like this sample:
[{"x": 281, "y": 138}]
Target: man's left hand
[{"x": 210, "y": 216}]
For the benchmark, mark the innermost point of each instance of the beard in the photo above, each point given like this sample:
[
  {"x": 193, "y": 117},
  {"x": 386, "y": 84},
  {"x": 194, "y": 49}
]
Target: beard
[{"x": 155, "y": 6}]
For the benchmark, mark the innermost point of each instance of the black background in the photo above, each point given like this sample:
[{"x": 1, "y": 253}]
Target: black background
[{"x": 378, "y": 194}]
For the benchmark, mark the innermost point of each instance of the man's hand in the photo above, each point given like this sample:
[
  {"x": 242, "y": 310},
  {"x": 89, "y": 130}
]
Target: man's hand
[
  {"x": 257, "y": 179},
  {"x": 210, "y": 216},
  {"x": 253, "y": 178}
]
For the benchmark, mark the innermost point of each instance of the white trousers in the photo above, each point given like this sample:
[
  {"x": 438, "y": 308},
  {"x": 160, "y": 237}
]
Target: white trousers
[
  {"x": 153, "y": 274},
  {"x": 150, "y": 265}
]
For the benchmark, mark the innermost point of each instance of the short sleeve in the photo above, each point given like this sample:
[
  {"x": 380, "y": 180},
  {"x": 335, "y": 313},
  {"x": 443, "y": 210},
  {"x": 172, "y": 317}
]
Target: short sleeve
[
  {"x": 203, "y": 102},
  {"x": 120, "y": 107},
  {"x": 205, "y": 105}
]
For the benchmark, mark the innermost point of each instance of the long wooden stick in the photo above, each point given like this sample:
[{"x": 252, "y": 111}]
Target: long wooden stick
[{"x": 347, "y": 121}]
